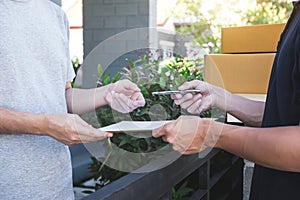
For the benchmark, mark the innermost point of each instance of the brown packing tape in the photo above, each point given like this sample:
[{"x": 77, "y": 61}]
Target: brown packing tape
[
  {"x": 239, "y": 73},
  {"x": 251, "y": 39}
]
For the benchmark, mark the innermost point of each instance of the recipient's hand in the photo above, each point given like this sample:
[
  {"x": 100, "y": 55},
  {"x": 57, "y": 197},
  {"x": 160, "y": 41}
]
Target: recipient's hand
[
  {"x": 70, "y": 129},
  {"x": 187, "y": 134},
  {"x": 124, "y": 96},
  {"x": 196, "y": 103}
]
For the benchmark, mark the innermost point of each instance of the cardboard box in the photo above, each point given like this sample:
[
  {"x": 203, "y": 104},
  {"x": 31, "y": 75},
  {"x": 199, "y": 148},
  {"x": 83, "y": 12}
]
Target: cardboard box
[
  {"x": 239, "y": 73},
  {"x": 251, "y": 39}
]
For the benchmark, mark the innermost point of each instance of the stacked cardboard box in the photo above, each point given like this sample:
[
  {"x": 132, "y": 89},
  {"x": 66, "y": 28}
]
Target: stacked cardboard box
[
  {"x": 239, "y": 73},
  {"x": 245, "y": 64},
  {"x": 251, "y": 39},
  {"x": 247, "y": 56}
]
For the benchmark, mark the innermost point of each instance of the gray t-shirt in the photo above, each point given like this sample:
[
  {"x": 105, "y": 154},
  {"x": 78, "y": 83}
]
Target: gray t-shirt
[{"x": 35, "y": 66}]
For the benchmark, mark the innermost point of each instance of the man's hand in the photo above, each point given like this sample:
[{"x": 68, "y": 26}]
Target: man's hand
[
  {"x": 187, "y": 134},
  {"x": 124, "y": 96},
  {"x": 70, "y": 129},
  {"x": 197, "y": 103}
]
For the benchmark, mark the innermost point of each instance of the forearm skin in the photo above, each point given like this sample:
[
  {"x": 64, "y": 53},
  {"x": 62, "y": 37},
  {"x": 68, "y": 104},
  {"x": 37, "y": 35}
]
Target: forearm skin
[
  {"x": 16, "y": 122},
  {"x": 277, "y": 148},
  {"x": 248, "y": 111},
  {"x": 80, "y": 101}
]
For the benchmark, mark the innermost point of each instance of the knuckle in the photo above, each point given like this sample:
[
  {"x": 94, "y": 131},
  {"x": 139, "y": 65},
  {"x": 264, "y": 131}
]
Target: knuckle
[
  {"x": 198, "y": 81},
  {"x": 73, "y": 138},
  {"x": 189, "y": 96},
  {"x": 190, "y": 110},
  {"x": 170, "y": 140},
  {"x": 70, "y": 130},
  {"x": 175, "y": 148},
  {"x": 168, "y": 129},
  {"x": 164, "y": 139},
  {"x": 184, "y": 105},
  {"x": 70, "y": 144},
  {"x": 180, "y": 118}
]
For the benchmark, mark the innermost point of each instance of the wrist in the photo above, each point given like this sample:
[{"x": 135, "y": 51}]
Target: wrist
[
  {"x": 221, "y": 98},
  {"x": 39, "y": 124},
  {"x": 225, "y": 136},
  {"x": 214, "y": 134},
  {"x": 24, "y": 122},
  {"x": 103, "y": 95}
]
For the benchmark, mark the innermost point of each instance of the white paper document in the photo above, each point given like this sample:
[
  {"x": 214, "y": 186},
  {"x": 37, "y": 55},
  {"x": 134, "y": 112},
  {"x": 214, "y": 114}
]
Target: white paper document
[{"x": 134, "y": 126}]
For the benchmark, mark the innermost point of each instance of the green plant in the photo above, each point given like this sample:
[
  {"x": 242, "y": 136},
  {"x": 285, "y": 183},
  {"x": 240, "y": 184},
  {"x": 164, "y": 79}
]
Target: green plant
[
  {"x": 205, "y": 24},
  {"x": 149, "y": 75},
  {"x": 181, "y": 193},
  {"x": 268, "y": 12},
  {"x": 76, "y": 64}
]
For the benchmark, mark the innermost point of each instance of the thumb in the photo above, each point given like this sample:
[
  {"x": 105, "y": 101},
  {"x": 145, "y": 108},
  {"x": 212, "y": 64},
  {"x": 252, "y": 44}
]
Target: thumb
[
  {"x": 163, "y": 130},
  {"x": 108, "y": 135},
  {"x": 158, "y": 132},
  {"x": 128, "y": 85},
  {"x": 104, "y": 134},
  {"x": 189, "y": 85},
  {"x": 138, "y": 99}
]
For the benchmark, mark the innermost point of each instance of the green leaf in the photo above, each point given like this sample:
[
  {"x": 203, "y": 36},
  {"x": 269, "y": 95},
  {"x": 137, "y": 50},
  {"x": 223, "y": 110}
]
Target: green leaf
[
  {"x": 123, "y": 142},
  {"x": 144, "y": 91},
  {"x": 131, "y": 64},
  {"x": 182, "y": 192},
  {"x": 116, "y": 77},
  {"x": 100, "y": 70},
  {"x": 106, "y": 79},
  {"x": 144, "y": 59},
  {"x": 162, "y": 83}
]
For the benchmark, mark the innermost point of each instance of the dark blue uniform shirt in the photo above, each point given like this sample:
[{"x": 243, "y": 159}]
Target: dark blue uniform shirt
[{"x": 282, "y": 109}]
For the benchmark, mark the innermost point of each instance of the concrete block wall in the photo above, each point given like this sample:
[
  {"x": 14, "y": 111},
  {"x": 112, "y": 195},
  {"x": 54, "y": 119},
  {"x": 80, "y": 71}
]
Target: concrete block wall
[{"x": 105, "y": 18}]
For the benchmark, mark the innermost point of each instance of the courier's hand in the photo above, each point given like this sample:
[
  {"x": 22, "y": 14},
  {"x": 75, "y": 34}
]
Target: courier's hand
[
  {"x": 196, "y": 103},
  {"x": 186, "y": 134},
  {"x": 124, "y": 96},
  {"x": 70, "y": 129}
]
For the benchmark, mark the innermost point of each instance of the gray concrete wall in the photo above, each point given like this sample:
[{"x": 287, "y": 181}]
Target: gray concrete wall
[
  {"x": 104, "y": 23},
  {"x": 104, "y": 18}
]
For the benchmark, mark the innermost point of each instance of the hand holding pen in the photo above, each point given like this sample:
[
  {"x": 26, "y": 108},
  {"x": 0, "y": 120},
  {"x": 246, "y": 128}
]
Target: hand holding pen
[{"x": 194, "y": 96}]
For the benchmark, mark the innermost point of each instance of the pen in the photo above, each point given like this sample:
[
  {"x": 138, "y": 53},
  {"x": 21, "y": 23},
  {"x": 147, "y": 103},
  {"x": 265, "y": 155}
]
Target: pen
[{"x": 168, "y": 92}]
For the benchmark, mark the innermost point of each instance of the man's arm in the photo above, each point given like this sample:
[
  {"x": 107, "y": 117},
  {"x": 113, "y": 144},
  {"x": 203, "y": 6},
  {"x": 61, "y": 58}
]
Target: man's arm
[
  {"x": 12, "y": 121},
  {"x": 123, "y": 96},
  {"x": 277, "y": 148},
  {"x": 248, "y": 111},
  {"x": 80, "y": 101},
  {"x": 65, "y": 128}
]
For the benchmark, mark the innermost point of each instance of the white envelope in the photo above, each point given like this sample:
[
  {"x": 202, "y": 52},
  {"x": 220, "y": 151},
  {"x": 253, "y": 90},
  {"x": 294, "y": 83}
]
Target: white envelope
[{"x": 134, "y": 126}]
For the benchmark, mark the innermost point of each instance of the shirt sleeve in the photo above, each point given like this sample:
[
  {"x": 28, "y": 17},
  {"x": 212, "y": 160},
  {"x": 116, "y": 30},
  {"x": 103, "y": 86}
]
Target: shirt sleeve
[
  {"x": 70, "y": 70},
  {"x": 296, "y": 74}
]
